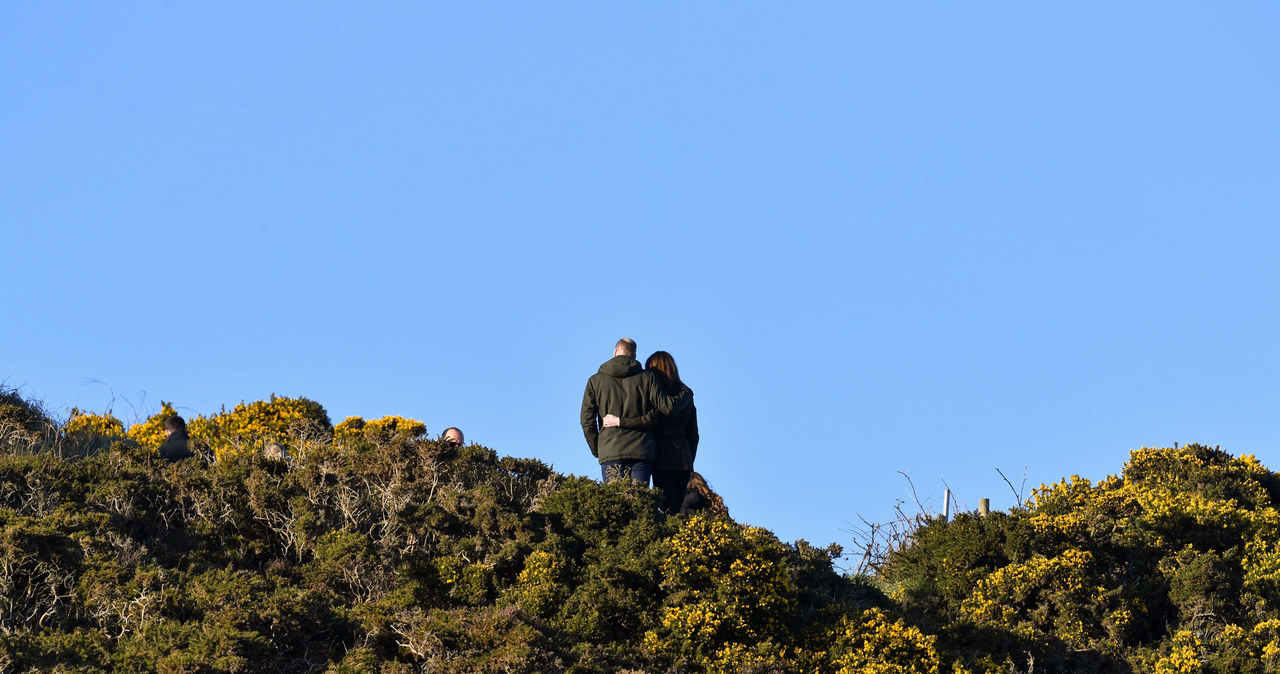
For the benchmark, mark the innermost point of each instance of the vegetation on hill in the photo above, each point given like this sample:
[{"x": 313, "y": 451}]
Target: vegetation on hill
[{"x": 374, "y": 548}]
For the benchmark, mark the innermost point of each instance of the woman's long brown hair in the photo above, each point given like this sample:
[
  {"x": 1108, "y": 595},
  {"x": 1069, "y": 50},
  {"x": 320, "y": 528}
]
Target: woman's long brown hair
[
  {"x": 664, "y": 363},
  {"x": 699, "y": 484}
]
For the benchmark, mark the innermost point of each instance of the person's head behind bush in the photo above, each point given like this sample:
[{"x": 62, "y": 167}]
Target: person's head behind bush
[{"x": 174, "y": 424}]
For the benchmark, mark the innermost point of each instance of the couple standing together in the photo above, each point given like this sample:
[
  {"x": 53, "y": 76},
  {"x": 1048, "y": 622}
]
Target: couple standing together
[{"x": 642, "y": 422}]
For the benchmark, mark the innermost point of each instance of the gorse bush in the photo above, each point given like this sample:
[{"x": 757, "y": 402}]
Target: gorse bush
[
  {"x": 247, "y": 428},
  {"x": 88, "y": 424},
  {"x": 85, "y": 433},
  {"x": 373, "y": 548},
  {"x": 295, "y": 422},
  {"x": 1169, "y": 566},
  {"x": 728, "y": 593},
  {"x": 386, "y": 429}
]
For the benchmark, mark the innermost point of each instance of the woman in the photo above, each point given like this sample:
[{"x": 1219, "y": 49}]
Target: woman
[{"x": 677, "y": 434}]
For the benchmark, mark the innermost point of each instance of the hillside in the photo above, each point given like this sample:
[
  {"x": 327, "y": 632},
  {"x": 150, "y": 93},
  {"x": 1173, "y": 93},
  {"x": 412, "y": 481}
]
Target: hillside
[{"x": 374, "y": 548}]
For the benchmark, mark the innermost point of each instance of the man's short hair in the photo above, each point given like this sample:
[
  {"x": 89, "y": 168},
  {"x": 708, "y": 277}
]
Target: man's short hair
[
  {"x": 628, "y": 346},
  {"x": 175, "y": 423},
  {"x": 445, "y": 434}
]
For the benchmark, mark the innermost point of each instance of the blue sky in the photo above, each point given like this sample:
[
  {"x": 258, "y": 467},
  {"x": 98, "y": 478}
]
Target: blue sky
[{"x": 877, "y": 237}]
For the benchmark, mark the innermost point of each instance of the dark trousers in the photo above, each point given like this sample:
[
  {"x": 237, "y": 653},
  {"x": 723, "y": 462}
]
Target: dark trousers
[
  {"x": 673, "y": 484},
  {"x": 635, "y": 470}
]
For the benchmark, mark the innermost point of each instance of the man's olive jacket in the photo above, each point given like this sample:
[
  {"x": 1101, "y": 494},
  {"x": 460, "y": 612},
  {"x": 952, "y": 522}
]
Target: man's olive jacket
[{"x": 623, "y": 388}]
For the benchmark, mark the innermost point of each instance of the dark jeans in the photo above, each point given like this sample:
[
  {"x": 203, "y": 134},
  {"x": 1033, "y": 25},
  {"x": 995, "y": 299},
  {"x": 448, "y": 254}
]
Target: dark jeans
[
  {"x": 617, "y": 470},
  {"x": 673, "y": 484}
]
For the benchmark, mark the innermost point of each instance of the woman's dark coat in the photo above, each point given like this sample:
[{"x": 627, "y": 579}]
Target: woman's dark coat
[{"x": 676, "y": 434}]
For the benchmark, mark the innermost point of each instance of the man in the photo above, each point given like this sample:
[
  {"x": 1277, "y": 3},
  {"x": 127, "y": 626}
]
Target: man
[
  {"x": 623, "y": 388},
  {"x": 452, "y": 436},
  {"x": 175, "y": 444}
]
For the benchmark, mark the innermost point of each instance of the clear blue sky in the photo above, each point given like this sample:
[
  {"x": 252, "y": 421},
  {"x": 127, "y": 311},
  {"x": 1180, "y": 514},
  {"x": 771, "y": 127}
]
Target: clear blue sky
[{"x": 877, "y": 237}]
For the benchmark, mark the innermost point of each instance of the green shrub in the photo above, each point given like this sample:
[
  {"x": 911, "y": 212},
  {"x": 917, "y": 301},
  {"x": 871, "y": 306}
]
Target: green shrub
[{"x": 374, "y": 548}]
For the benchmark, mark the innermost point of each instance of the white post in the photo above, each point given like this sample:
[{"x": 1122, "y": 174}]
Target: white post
[{"x": 946, "y": 506}]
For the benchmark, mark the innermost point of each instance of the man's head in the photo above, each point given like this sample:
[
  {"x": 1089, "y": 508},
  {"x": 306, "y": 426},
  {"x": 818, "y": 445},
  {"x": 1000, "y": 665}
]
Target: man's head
[
  {"x": 452, "y": 436},
  {"x": 173, "y": 424},
  {"x": 625, "y": 347}
]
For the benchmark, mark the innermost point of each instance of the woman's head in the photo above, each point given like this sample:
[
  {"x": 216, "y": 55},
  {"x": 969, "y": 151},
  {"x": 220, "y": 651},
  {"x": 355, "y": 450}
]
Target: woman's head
[
  {"x": 662, "y": 361},
  {"x": 714, "y": 503}
]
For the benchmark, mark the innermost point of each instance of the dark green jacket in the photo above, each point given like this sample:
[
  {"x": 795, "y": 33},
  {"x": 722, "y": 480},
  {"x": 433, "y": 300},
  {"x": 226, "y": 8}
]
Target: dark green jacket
[
  {"x": 623, "y": 388},
  {"x": 677, "y": 435}
]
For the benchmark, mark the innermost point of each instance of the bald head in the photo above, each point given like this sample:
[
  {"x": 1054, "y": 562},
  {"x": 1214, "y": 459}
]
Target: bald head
[
  {"x": 452, "y": 436},
  {"x": 625, "y": 347}
]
